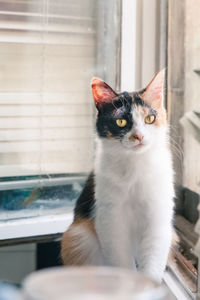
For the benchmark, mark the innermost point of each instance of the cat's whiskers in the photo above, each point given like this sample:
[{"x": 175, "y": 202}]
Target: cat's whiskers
[
  {"x": 176, "y": 152},
  {"x": 174, "y": 143},
  {"x": 177, "y": 145}
]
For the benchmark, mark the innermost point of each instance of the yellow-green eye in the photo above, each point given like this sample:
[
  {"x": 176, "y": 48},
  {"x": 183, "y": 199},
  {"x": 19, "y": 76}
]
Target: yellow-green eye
[
  {"x": 150, "y": 119},
  {"x": 121, "y": 122}
]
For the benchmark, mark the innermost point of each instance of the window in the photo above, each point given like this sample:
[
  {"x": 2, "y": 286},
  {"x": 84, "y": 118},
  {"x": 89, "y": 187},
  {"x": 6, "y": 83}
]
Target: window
[{"x": 49, "y": 51}]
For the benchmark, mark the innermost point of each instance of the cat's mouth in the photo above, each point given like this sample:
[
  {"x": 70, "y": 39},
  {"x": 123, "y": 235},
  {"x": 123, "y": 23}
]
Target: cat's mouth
[
  {"x": 132, "y": 145},
  {"x": 139, "y": 145}
]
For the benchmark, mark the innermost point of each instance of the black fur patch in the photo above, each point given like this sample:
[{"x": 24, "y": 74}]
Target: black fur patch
[
  {"x": 120, "y": 108},
  {"x": 138, "y": 100},
  {"x": 86, "y": 201}
]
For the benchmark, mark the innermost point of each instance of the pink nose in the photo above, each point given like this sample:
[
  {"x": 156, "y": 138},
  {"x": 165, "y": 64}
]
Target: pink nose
[{"x": 136, "y": 137}]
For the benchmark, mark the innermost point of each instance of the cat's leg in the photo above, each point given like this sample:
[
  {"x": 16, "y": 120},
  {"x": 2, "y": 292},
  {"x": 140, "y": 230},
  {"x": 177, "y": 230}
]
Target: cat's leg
[
  {"x": 153, "y": 251},
  {"x": 80, "y": 245},
  {"x": 113, "y": 231}
]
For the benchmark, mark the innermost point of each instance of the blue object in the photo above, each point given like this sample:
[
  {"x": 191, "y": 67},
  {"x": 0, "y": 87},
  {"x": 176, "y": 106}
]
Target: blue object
[
  {"x": 14, "y": 199},
  {"x": 40, "y": 198},
  {"x": 9, "y": 292}
]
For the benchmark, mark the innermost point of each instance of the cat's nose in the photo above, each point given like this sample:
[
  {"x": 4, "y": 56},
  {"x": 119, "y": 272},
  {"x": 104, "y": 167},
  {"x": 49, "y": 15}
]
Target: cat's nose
[{"x": 134, "y": 137}]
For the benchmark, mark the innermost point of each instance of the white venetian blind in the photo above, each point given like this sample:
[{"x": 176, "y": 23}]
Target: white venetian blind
[{"x": 47, "y": 58}]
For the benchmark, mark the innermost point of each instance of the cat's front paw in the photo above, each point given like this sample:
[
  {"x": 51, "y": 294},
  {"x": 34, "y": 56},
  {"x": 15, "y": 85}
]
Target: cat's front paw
[{"x": 156, "y": 276}]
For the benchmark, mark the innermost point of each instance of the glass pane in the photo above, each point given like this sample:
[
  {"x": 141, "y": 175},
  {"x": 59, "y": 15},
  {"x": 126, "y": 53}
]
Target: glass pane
[{"x": 49, "y": 51}]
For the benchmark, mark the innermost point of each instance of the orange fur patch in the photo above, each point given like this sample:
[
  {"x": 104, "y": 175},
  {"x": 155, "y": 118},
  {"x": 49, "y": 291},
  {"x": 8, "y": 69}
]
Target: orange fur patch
[
  {"x": 161, "y": 117},
  {"x": 132, "y": 138},
  {"x": 71, "y": 248},
  {"x": 143, "y": 111},
  {"x": 109, "y": 136}
]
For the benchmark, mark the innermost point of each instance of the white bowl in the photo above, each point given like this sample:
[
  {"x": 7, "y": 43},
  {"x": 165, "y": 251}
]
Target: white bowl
[{"x": 90, "y": 283}]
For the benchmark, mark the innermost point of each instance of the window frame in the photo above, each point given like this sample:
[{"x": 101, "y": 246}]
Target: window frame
[
  {"x": 29, "y": 230},
  {"x": 51, "y": 227}
]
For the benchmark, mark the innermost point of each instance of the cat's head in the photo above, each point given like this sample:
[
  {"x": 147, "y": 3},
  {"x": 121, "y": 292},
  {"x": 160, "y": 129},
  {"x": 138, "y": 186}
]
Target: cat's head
[{"x": 135, "y": 120}]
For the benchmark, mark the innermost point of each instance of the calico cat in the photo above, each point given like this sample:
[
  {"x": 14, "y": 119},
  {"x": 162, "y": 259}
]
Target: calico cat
[{"x": 124, "y": 215}]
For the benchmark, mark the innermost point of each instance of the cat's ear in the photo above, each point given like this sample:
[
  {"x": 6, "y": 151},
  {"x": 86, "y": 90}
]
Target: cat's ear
[
  {"x": 153, "y": 93},
  {"x": 102, "y": 92}
]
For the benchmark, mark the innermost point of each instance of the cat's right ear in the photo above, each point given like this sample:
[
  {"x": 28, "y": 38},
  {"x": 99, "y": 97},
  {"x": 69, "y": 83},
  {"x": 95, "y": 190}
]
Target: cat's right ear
[{"x": 102, "y": 92}]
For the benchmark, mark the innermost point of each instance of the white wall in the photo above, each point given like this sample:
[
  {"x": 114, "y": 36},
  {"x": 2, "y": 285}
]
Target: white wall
[{"x": 16, "y": 262}]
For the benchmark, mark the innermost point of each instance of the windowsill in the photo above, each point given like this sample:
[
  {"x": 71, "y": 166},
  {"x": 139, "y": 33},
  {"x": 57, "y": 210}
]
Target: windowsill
[
  {"x": 30, "y": 229},
  {"x": 176, "y": 288}
]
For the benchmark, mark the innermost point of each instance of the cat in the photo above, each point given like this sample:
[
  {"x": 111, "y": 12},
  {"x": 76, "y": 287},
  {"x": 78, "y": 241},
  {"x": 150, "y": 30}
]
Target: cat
[{"x": 124, "y": 215}]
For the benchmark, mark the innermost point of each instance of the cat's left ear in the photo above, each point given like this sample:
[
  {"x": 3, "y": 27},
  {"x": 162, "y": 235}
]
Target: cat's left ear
[
  {"x": 102, "y": 92},
  {"x": 153, "y": 93}
]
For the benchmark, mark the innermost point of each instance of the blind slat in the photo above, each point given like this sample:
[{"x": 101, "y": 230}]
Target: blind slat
[
  {"x": 75, "y": 98},
  {"x": 60, "y": 7},
  {"x": 55, "y": 86},
  {"x": 25, "y": 63},
  {"x": 48, "y": 122},
  {"x": 45, "y": 134},
  {"x": 46, "y": 110},
  {"x": 29, "y": 50},
  {"x": 25, "y": 146},
  {"x": 37, "y": 38},
  {"x": 33, "y": 169},
  {"x": 47, "y": 156}
]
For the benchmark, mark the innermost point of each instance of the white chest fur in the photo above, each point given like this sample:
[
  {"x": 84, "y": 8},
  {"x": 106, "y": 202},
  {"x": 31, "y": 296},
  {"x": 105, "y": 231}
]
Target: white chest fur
[{"x": 134, "y": 205}]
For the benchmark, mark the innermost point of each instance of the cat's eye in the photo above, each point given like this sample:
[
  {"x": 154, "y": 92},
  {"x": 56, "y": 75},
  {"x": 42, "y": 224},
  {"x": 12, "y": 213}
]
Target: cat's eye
[
  {"x": 150, "y": 119},
  {"x": 121, "y": 122}
]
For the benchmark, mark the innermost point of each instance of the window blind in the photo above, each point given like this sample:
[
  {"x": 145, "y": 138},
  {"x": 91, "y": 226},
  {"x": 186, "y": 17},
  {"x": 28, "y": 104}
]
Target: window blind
[{"x": 47, "y": 59}]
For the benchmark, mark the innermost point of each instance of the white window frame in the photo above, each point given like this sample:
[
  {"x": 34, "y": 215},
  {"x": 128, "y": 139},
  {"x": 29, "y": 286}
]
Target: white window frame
[{"x": 32, "y": 228}]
